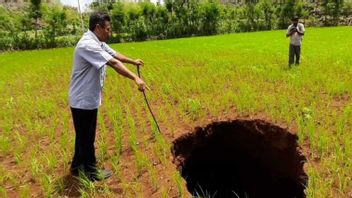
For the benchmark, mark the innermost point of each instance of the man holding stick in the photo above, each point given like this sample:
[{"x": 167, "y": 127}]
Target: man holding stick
[{"x": 91, "y": 56}]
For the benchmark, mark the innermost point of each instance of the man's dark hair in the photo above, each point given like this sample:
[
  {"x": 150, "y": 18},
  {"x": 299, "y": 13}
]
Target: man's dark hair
[
  {"x": 98, "y": 18},
  {"x": 295, "y": 17}
]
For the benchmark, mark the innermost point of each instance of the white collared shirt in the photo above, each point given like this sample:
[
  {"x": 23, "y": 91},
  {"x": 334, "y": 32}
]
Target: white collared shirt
[
  {"x": 88, "y": 71},
  {"x": 295, "y": 38}
]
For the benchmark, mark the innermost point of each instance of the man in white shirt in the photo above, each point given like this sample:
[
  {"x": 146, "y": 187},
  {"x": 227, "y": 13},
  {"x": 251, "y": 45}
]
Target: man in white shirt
[
  {"x": 91, "y": 56},
  {"x": 295, "y": 31}
]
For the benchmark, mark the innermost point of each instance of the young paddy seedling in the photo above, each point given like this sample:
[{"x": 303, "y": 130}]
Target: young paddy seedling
[
  {"x": 153, "y": 175},
  {"x": 36, "y": 168},
  {"x": 46, "y": 183},
  {"x": 132, "y": 189},
  {"x": 164, "y": 192},
  {"x": 86, "y": 187},
  {"x": 192, "y": 107},
  {"x": 4, "y": 175},
  {"x": 102, "y": 140},
  {"x": 51, "y": 162},
  {"x": 179, "y": 183},
  {"x": 161, "y": 148},
  {"x": 222, "y": 78},
  {"x": 4, "y": 145},
  {"x": 116, "y": 166},
  {"x": 24, "y": 191}
]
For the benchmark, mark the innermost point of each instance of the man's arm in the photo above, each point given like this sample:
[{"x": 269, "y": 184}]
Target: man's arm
[
  {"x": 120, "y": 68},
  {"x": 125, "y": 59},
  {"x": 300, "y": 31},
  {"x": 291, "y": 31},
  {"x": 121, "y": 57}
]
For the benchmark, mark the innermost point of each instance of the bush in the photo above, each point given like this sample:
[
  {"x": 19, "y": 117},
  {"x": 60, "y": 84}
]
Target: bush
[
  {"x": 24, "y": 41},
  {"x": 6, "y": 43}
]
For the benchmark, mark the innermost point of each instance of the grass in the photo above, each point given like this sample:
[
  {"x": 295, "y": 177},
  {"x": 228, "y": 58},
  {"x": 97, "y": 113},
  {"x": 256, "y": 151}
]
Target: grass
[{"x": 192, "y": 81}]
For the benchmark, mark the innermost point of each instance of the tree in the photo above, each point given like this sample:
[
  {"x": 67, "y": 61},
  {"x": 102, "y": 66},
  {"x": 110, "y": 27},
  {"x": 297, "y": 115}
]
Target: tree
[
  {"x": 36, "y": 14},
  {"x": 210, "y": 15},
  {"x": 6, "y": 23},
  {"x": 286, "y": 13},
  {"x": 118, "y": 17},
  {"x": 57, "y": 23},
  {"x": 268, "y": 11}
]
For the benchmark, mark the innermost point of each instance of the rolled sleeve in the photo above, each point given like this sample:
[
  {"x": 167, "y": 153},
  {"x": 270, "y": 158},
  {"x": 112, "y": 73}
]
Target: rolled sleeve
[
  {"x": 95, "y": 55},
  {"x": 108, "y": 49},
  {"x": 302, "y": 28},
  {"x": 288, "y": 29}
]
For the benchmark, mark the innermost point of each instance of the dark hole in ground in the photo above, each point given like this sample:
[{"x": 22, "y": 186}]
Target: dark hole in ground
[{"x": 241, "y": 158}]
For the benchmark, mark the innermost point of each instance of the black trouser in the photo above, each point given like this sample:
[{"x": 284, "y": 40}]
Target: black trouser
[
  {"x": 294, "y": 51},
  {"x": 85, "y": 122}
]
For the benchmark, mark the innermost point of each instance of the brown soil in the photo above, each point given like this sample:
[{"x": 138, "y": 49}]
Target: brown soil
[
  {"x": 129, "y": 183},
  {"x": 247, "y": 158}
]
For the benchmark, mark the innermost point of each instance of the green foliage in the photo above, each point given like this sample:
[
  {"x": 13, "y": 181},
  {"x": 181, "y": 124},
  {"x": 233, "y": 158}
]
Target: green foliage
[
  {"x": 210, "y": 15},
  {"x": 143, "y": 20}
]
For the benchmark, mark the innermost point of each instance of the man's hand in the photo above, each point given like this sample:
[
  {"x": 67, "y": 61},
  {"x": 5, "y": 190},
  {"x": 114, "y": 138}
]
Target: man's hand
[
  {"x": 138, "y": 62},
  {"x": 141, "y": 84}
]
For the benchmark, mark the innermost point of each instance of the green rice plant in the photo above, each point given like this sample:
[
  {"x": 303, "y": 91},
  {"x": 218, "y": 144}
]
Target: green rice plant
[
  {"x": 86, "y": 188},
  {"x": 3, "y": 192},
  {"x": 46, "y": 182},
  {"x": 153, "y": 177},
  {"x": 102, "y": 141},
  {"x": 161, "y": 148},
  {"x": 51, "y": 161},
  {"x": 343, "y": 182},
  {"x": 36, "y": 168},
  {"x": 65, "y": 157},
  {"x": 116, "y": 166},
  {"x": 141, "y": 162},
  {"x": 103, "y": 149},
  {"x": 39, "y": 129},
  {"x": 7, "y": 178},
  {"x": 105, "y": 190},
  {"x": 24, "y": 191},
  {"x": 311, "y": 130},
  {"x": 179, "y": 184},
  {"x": 4, "y": 145},
  {"x": 164, "y": 192},
  {"x": 3, "y": 178},
  {"x": 118, "y": 139},
  {"x": 21, "y": 143},
  {"x": 18, "y": 158},
  {"x": 131, "y": 189},
  {"x": 192, "y": 107},
  {"x": 347, "y": 144},
  {"x": 323, "y": 142},
  {"x": 65, "y": 140},
  {"x": 203, "y": 193}
]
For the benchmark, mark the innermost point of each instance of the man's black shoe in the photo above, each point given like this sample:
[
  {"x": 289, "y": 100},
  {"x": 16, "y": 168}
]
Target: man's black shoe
[{"x": 99, "y": 175}]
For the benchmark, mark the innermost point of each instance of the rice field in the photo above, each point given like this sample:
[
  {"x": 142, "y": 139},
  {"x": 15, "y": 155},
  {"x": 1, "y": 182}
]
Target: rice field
[{"x": 194, "y": 82}]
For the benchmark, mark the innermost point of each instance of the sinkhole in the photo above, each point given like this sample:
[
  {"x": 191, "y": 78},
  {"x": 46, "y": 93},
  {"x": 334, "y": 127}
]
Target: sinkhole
[{"x": 241, "y": 158}]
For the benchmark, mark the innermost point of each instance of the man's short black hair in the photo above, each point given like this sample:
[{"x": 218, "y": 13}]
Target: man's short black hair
[
  {"x": 98, "y": 18},
  {"x": 295, "y": 18}
]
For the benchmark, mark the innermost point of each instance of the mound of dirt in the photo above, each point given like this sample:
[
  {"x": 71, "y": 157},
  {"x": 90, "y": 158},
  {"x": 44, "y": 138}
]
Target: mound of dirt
[{"x": 241, "y": 158}]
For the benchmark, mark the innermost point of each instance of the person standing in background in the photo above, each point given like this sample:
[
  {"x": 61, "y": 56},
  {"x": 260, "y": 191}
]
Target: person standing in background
[{"x": 295, "y": 31}]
